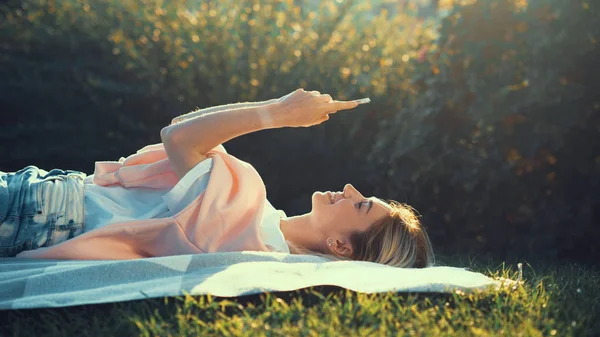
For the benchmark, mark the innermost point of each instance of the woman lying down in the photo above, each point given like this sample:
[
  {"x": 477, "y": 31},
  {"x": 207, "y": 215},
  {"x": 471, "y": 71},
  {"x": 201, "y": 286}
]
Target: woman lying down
[{"x": 187, "y": 195}]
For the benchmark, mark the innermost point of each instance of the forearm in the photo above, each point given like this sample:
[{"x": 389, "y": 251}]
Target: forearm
[
  {"x": 200, "y": 112},
  {"x": 204, "y": 132}
]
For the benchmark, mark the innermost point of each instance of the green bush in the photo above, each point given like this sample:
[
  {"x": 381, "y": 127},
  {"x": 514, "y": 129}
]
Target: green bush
[{"x": 487, "y": 125}]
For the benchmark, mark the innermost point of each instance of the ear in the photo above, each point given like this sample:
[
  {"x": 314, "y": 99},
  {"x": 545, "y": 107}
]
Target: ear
[{"x": 341, "y": 248}]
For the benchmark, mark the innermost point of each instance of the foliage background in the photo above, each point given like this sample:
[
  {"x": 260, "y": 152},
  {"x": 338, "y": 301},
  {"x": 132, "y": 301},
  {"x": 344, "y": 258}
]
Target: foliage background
[{"x": 485, "y": 118}]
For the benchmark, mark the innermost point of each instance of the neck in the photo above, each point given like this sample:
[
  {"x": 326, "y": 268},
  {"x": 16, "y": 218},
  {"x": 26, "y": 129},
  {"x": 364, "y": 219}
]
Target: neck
[{"x": 300, "y": 230}]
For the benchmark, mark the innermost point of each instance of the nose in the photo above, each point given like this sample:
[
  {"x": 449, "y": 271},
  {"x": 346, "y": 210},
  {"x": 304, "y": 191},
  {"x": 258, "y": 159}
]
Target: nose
[{"x": 349, "y": 189}]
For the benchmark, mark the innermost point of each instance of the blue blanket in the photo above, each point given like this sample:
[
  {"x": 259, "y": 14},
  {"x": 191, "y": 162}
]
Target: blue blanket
[{"x": 26, "y": 283}]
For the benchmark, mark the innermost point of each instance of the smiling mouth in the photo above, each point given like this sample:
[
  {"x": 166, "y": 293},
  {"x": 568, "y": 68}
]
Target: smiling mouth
[{"x": 332, "y": 197}]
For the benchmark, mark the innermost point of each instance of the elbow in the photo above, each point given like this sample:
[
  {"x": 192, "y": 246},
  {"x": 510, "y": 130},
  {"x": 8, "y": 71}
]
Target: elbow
[
  {"x": 169, "y": 138},
  {"x": 174, "y": 139},
  {"x": 164, "y": 133},
  {"x": 168, "y": 134}
]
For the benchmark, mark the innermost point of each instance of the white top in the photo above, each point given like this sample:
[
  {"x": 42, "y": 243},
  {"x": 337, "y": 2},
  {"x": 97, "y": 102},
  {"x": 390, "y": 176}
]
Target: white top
[{"x": 105, "y": 205}]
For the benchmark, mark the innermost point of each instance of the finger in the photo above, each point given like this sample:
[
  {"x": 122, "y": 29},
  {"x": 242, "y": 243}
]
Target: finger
[
  {"x": 315, "y": 93},
  {"x": 343, "y": 105}
]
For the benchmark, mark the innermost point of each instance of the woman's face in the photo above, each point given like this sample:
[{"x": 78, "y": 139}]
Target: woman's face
[{"x": 341, "y": 213}]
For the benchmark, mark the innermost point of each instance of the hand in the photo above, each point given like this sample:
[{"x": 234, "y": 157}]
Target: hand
[{"x": 306, "y": 108}]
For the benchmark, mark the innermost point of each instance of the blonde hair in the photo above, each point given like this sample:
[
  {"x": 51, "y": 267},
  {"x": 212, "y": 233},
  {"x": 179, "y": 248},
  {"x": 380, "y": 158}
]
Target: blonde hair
[{"x": 398, "y": 240}]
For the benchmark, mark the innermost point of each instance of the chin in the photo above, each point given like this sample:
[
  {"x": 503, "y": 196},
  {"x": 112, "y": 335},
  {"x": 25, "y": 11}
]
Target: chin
[
  {"x": 313, "y": 198},
  {"x": 318, "y": 198}
]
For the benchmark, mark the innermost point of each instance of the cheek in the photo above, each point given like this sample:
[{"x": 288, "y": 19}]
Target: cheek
[{"x": 336, "y": 215}]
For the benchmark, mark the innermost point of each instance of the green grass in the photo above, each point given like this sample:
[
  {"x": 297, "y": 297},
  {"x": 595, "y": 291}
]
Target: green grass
[{"x": 555, "y": 299}]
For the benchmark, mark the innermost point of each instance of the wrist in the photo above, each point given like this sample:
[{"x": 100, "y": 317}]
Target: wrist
[{"x": 267, "y": 114}]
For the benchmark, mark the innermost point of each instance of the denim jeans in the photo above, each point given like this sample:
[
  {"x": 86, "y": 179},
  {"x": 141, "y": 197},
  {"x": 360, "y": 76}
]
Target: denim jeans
[{"x": 39, "y": 208}]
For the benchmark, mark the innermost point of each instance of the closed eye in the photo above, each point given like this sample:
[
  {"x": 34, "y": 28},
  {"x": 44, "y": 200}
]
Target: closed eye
[{"x": 359, "y": 205}]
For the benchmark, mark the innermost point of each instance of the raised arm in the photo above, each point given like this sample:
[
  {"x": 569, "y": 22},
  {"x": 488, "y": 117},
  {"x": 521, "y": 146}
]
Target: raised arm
[{"x": 187, "y": 142}]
